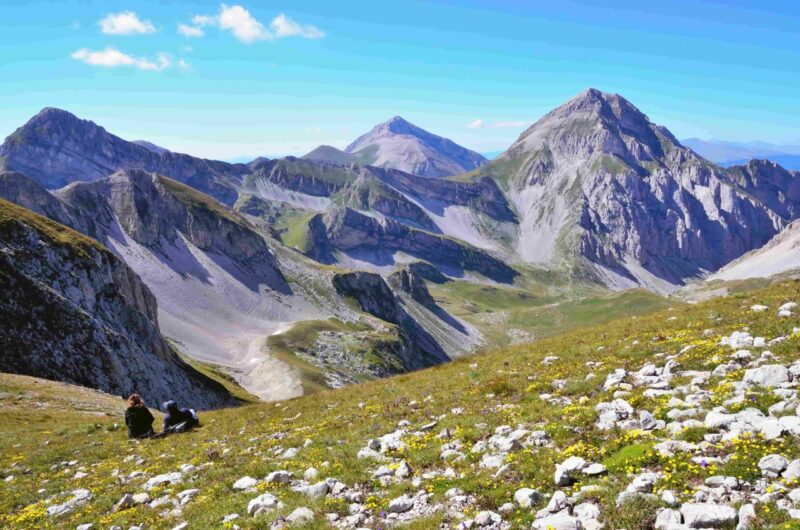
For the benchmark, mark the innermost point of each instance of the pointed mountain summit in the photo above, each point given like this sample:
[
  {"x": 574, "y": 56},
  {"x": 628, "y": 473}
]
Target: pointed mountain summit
[
  {"x": 398, "y": 144},
  {"x": 602, "y": 190}
]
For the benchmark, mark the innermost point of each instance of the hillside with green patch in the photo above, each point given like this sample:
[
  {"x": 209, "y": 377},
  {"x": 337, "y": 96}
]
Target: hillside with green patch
[{"x": 685, "y": 415}]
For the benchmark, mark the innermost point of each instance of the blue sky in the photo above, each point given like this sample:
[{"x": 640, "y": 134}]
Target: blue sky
[{"x": 274, "y": 78}]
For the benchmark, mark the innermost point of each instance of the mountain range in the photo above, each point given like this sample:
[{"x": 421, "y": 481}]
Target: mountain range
[
  {"x": 732, "y": 153},
  {"x": 397, "y": 253}
]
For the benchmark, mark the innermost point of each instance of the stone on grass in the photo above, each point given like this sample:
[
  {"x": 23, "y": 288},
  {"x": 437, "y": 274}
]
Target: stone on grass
[
  {"x": 315, "y": 491},
  {"x": 300, "y": 516},
  {"x": 772, "y": 465},
  {"x": 487, "y": 518},
  {"x": 668, "y": 519},
  {"x": 559, "y": 521},
  {"x": 244, "y": 484},
  {"x": 767, "y": 375},
  {"x": 707, "y": 515},
  {"x": 401, "y": 504},
  {"x": 527, "y": 497},
  {"x": 262, "y": 503}
]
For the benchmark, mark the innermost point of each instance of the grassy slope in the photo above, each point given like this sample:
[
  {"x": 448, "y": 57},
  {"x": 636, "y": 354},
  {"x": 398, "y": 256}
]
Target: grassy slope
[
  {"x": 499, "y": 388},
  {"x": 12, "y": 215},
  {"x": 302, "y": 336},
  {"x": 498, "y": 310}
]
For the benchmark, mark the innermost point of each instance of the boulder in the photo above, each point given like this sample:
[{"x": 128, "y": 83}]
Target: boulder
[
  {"x": 707, "y": 515},
  {"x": 767, "y": 375},
  {"x": 262, "y": 503}
]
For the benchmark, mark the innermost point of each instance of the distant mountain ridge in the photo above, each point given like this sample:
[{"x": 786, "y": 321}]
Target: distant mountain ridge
[
  {"x": 737, "y": 153},
  {"x": 398, "y": 144},
  {"x": 593, "y": 188},
  {"x": 55, "y": 148}
]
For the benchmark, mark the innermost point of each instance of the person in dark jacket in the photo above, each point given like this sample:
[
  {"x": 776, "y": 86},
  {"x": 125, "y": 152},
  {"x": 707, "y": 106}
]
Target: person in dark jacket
[
  {"x": 177, "y": 419},
  {"x": 138, "y": 418}
]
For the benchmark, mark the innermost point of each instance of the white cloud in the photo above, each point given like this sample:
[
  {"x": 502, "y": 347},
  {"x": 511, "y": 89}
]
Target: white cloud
[
  {"x": 247, "y": 28},
  {"x": 112, "y": 58},
  {"x": 242, "y": 24},
  {"x": 203, "y": 20},
  {"x": 283, "y": 26},
  {"x": 125, "y": 23},
  {"x": 477, "y": 124},
  {"x": 507, "y": 124},
  {"x": 190, "y": 31},
  {"x": 183, "y": 65}
]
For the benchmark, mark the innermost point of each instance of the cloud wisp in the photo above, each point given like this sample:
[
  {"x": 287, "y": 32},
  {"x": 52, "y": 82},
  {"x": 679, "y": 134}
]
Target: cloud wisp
[
  {"x": 477, "y": 124},
  {"x": 111, "y": 57},
  {"x": 248, "y": 29},
  {"x": 125, "y": 23}
]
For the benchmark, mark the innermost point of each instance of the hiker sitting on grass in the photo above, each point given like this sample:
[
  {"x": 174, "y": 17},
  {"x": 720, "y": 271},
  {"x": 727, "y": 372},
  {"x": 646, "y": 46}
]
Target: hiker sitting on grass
[
  {"x": 177, "y": 419},
  {"x": 138, "y": 419}
]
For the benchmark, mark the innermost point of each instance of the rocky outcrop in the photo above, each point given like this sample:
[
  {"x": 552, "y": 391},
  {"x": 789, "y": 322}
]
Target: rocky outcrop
[
  {"x": 412, "y": 282},
  {"x": 401, "y": 145},
  {"x": 348, "y": 230},
  {"x": 56, "y": 148},
  {"x": 374, "y": 296},
  {"x": 481, "y": 194},
  {"x": 777, "y": 188},
  {"x": 153, "y": 209},
  {"x": 368, "y": 193},
  {"x": 72, "y": 311},
  {"x": 371, "y": 292},
  {"x": 318, "y": 247}
]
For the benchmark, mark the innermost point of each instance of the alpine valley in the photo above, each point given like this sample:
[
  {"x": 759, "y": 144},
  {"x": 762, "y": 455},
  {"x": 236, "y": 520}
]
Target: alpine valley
[{"x": 400, "y": 252}]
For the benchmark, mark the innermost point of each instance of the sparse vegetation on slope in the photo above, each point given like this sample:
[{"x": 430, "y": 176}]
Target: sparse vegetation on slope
[{"x": 557, "y": 390}]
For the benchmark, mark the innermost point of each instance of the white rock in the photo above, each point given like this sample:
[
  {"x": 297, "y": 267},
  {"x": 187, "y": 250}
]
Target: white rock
[
  {"x": 487, "y": 518},
  {"x": 594, "y": 470},
  {"x": 668, "y": 520},
  {"x": 300, "y": 515},
  {"x": 559, "y": 521},
  {"x": 401, "y": 504},
  {"x": 792, "y": 471},
  {"x": 278, "y": 477},
  {"x": 767, "y": 375},
  {"x": 314, "y": 491},
  {"x": 262, "y": 503},
  {"x": 772, "y": 465},
  {"x": 245, "y": 484},
  {"x": 566, "y": 469},
  {"x": 527, "y": 497},
  {"x": 758, "y": 308},
  {"x": 707, "y": 515},
  {"x": 167, "y": 478},
  {"x": 747, "y": 516}
]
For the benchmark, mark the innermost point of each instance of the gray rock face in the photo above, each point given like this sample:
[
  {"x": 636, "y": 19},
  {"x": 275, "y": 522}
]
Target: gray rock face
[
  {"x": 375, "y": 296},
  {"x": 56, "y": 148},
  {"x": 72, "y": 311},
  {"x": 621, "y": 195},
  {"x": 348, "y": 229},
  {"x": 401, "y": 145}
]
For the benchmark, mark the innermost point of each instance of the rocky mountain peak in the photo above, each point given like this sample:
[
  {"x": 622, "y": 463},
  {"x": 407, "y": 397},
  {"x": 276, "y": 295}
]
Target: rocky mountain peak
[
  {"x": 596, "y": 122},
  {"x": 399, "y": 144}
]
